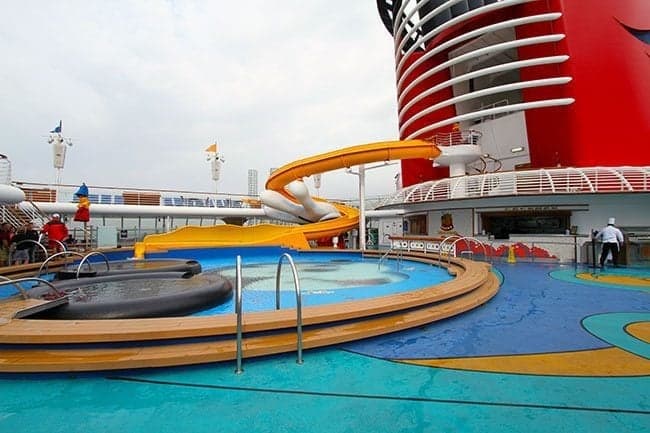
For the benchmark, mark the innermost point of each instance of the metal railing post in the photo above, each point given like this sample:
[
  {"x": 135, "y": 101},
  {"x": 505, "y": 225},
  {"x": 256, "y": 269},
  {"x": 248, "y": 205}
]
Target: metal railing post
[
  {"x": 238, "y": 312},
  {"x": 92, "y": 253},
  {"x": 296, "y": 283},
  {"x": 22, "y": 291}
]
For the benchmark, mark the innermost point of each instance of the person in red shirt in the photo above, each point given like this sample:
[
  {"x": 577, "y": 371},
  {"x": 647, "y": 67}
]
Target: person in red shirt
[
  {"x": 56, "y": 232},
  {"x": 5, "y": 239}
]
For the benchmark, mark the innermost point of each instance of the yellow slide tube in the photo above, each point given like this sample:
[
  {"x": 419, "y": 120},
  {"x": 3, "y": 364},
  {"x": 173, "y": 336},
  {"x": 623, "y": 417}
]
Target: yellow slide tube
[{"x": 293, "y": 236}]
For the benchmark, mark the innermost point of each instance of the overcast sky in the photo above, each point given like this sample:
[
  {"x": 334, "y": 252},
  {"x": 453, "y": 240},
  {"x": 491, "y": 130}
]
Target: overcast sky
[{"x": 143, "y": 87}]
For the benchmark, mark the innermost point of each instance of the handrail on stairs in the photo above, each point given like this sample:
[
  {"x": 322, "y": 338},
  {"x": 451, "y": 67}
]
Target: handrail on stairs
[
  {"x": 296, "y": 283},
  {"x": 34, "y": 212},
  {"x": 59, "y": 254},
  {"x": 469, "y": 239},
  {"x": 22, "y": 291},
  {"x": 238, "y": 313},
  {"x": 34, "y": 242},
  {"x": 400, "y": 255},
  {"x": 90, "y": 254},
  {"x": 8, "y": 216},
  {"x": 440, "y": 252},
  {"x": 238, "y": 306}
]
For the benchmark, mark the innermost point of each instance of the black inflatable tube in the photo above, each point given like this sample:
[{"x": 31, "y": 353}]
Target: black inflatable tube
[
  {"x": 210, "y": 291},
  {"x": 129, "y": 267}
]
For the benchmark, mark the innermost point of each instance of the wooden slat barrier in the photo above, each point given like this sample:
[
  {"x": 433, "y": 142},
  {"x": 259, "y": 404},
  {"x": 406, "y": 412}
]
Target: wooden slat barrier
[
  {"x": 44, "y": 195},
  {"x": 141, "y": 198}
]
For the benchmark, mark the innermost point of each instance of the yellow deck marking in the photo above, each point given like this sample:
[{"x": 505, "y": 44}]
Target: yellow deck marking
[
  {"x": 626, "y": 280},
  {"x": 599, "y": 362},
  {"x": 639, "y": 330}
]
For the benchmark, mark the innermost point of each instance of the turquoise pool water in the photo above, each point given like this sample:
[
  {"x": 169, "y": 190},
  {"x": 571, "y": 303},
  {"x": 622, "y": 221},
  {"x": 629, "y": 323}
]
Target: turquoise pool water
[{"x": 324, "y": 279}]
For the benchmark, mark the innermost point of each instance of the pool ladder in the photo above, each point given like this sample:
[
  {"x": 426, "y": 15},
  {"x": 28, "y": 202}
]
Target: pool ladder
[
  {"x": 400, "y": 256},
  {"x": 454, "y": 240},
  {"x": 16, "y": 283},
  {"x": 66, "y": 254},
  {"x": 4, "y": 281},
  {"x": 56, "y": 297},
  {"x": 238, "y": 305}
]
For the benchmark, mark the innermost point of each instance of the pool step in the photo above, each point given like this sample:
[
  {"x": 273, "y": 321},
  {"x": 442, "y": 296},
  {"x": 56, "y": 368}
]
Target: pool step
[{"x": 42, "y": 306}]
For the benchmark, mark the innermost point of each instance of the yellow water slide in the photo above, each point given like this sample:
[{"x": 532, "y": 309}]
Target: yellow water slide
[{"x": 293, "y": 236}]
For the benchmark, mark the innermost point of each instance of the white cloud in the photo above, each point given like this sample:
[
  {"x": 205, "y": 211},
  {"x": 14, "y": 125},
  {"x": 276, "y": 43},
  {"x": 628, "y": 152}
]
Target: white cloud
[{"x": 143, "y": 87}]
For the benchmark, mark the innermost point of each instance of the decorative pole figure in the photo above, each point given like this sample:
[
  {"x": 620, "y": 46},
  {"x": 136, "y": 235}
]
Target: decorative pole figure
[
  {"x": 83, "y": 210},
  {"x": 216, "y": 160},
  {"x": 59, "y": 147}
]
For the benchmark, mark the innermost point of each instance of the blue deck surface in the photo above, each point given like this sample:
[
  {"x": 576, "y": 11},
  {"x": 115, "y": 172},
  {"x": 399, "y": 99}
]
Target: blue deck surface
[
  {"x": 532, "y": 313},
  {"x": 360, "y": 387}
]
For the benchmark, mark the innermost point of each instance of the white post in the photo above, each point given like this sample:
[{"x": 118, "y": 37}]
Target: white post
[
  {"x": 57, "y": 182},
  {"x": 362, "y": 200},
  {"x": 362, "y": 207}
]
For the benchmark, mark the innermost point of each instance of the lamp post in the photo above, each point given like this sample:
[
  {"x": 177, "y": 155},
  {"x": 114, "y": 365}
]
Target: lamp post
[
  {"x": 215, "y": 160},
  {"x": 59, "y": 147}
]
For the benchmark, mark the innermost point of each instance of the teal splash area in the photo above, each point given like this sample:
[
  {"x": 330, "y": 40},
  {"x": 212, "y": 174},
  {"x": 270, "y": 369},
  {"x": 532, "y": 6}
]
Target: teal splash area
[{"x": 364, "y": 386}]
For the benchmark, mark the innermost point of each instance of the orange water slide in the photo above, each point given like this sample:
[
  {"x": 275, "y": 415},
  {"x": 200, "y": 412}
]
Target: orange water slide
[{"x": 293, "y": 236}]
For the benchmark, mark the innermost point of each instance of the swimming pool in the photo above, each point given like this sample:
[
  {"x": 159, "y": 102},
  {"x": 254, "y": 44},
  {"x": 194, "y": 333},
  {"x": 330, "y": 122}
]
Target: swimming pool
[
  {"x": 415, "y": 292},
  {"x": 324, "y": 277}
]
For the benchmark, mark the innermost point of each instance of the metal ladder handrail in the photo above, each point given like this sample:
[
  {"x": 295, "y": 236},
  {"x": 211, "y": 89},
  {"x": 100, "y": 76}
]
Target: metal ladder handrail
[
  {"x": 238, "y": 306},
  {"x": 7, "y": 281},
  {"x": 22, "y": 291},
  {"x": 63, "y": 246},
  {"x": 238, "y": 313},
  {"x": 92, "y": 253},
  {"x": 400, "y": 255},
  {"x": 62, "y": 253},
  {"x": 34, "y": 242},
  {"x": 384, "y": 256},
  {"x": 469, "y": 238},
  {"x": 442, "y": 243},
  {"x": 296, "y": 283}
]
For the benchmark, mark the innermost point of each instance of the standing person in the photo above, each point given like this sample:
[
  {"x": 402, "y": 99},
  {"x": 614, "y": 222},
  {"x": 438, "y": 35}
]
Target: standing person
[
  {"x": 23, "y": 252},
  {"x": 55, "y": 230},
  {"x": 5, "y": 240},
  {"x": 612, "y": 239}
]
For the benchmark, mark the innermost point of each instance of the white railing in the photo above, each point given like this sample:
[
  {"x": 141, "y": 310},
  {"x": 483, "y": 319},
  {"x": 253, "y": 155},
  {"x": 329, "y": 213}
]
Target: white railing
[
  {"x": 587, "y": 180},
  {"x": 457, "y": 137}
]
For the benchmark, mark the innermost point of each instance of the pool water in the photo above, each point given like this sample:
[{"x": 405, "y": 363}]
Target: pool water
[{"x": 323, "y": 278}]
